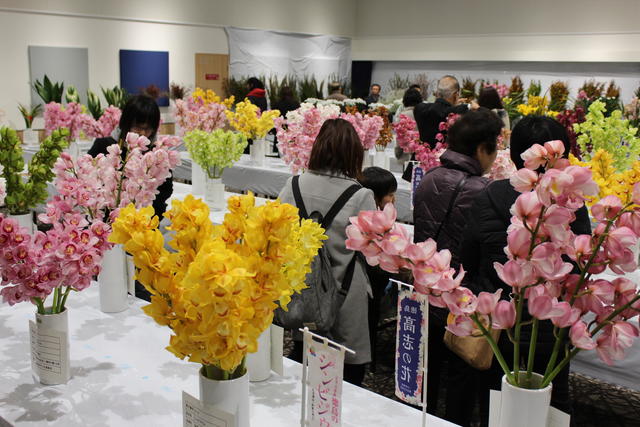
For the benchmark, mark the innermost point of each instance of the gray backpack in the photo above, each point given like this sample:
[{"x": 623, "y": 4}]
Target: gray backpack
[{"x": 317, "y": 306}]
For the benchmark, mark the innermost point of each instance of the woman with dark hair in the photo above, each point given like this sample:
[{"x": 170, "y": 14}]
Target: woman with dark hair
[
  {"x": 484, "y": 242},
  {"x": 257, "y": 94},
  {"x": 140, "y": 115},
  {"x": 441, "y": 210},
  {"x": 489, "y": 98},
  {"x": 334, "y": 167}
]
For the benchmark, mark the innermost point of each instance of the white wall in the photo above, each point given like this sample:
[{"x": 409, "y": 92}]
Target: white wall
[
  {"x": 104, "y": 38},
  {"x": 497, "y": 30},
  {"x": 182, "y": 27},
  {"x": 626, "y": 75}
]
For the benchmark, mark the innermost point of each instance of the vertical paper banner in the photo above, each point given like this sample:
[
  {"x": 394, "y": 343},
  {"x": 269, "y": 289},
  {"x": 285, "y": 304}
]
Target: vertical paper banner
[
  {"x": 324, "y": 402},
  {"x": 410, "y": 344},
  {"x": 416, "y": 178}
]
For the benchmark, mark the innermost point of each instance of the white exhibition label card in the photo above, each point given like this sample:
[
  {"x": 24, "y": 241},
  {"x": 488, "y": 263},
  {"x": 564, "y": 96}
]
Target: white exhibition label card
[
  {"x": 324, "y": 401},
  {"x": 197, "y": 414},
  {"x": 277, "y": 345},
  {"x": 49, "y": 358}
]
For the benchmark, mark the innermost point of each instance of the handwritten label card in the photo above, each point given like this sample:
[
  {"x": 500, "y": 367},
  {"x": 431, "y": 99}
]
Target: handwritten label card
[
  {"x": 49, "y": 354},
  {"x": 410, "y": 344},
  {"x": 324, "y": 404},
  {"x": 197, "y": 414}
]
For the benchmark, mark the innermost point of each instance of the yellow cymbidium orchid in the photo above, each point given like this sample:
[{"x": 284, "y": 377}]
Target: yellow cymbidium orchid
[{"x": 218, "y": 289}]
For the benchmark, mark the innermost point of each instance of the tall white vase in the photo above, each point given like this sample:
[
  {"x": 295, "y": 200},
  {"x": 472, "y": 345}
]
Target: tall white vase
[
  {"x": 259, "y": 363},
  {"x": 25, "y": 220},
  {"x": 214, "y": 194},
  {"x": 257, "y": 152},
  {"x": 113, "y": 281},
  {"x": 231, "y": 396},
  {"x": 52, "y": 349},
  {"x": 381, "y": 160},
  {"x": 524, "y": 407},
  {"x": 198, "y": 178}
]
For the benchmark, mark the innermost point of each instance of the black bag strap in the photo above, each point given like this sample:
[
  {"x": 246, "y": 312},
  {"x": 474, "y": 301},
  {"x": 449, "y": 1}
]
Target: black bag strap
[
  {"x": 297, "y": 196},
  {"x": 338, "y": 205},
  {"x": 348, "y": 276},
  {"x": 450, "y": 208}
]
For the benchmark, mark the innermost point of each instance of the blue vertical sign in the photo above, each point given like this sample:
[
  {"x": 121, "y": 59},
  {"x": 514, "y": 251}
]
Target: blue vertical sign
[
  {"x": 410, "y": 345},
  {"x": 416, "y": 178}
]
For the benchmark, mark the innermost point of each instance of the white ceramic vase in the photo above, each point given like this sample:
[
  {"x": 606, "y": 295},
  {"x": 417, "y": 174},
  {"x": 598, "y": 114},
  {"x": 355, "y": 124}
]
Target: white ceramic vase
[
  {"x": 381, "y": 160},
  {"x": 57, "y": 346},
  {"x": 198, "y": 178},
  {"x": 30, "y": 137},
  {"x": 214, "y": 194},
  {"x": 524, "y": 407},
  {"x": 113, "y": 281},
  {"x": 257, "y": 152},
  {"x": 230, "y": 396},
  {"x": 25, "y": 220},
  {"x": 259, "y": 363}
]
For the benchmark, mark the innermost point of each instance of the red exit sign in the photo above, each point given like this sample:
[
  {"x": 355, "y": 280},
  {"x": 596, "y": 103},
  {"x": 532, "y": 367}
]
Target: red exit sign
[{"x": 212, "y": 76}]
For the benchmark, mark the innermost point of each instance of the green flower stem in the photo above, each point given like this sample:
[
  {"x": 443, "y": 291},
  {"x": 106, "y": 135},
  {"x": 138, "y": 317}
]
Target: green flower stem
[
  {"x": 494, "y": 346},
  {"x": 532, "y": 347},
  {"x": 56, "y": 297},
  {"x": 40, "y": 304},
  {"x": 516, "y": 344},
  {"x": 64, "y": 299}
]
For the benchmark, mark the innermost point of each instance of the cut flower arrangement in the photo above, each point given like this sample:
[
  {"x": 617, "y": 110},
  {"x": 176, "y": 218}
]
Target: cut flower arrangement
[
  {"x": 90, "y": 193},
  {"x": 218, "y": 288},
  {"x": 99, "y": 186},
  {"x": 214, "y": 151},
  {"x": 297, "y": 131},
  {"x": 249, "y": 121},
  {"x": 74, "y": 117},
  {"x": 542, "y": 282},
  {"x": 21, "y": 195},
  {"x": 203, "y": 110}
]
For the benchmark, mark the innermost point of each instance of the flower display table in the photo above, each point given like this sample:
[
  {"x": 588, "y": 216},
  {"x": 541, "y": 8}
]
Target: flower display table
[
  {"x": 122, "y": 376},
  {"x": 270, "y": 179}
]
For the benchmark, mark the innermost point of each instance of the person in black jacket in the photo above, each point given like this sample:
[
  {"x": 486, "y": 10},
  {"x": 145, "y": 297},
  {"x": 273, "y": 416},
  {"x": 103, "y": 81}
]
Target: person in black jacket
[
  {"x": 441, "y": 209},
  {"x": 428, "y": 116},
  {"x": 484, "y": 243}
]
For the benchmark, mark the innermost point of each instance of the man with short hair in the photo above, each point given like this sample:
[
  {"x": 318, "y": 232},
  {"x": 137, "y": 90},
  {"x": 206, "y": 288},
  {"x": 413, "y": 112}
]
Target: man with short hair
[
  {"x": 335, "y": 92},
  {"x": 374, "y": 94},
  {"x": 428, "y": 116}
]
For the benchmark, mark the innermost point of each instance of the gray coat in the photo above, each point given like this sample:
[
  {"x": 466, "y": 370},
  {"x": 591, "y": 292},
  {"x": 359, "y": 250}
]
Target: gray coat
[{"x": 319, "y": 191}]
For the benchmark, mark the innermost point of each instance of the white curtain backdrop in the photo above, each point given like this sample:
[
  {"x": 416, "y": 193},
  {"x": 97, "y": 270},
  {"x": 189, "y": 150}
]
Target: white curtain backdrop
[{"x": 266, "y": 53}]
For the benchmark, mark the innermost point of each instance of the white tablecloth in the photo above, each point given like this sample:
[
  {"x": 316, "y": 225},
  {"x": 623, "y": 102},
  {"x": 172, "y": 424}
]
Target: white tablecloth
[
  {"x": 270, "y": 179},
  {"x": 123, "y": 376}
]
